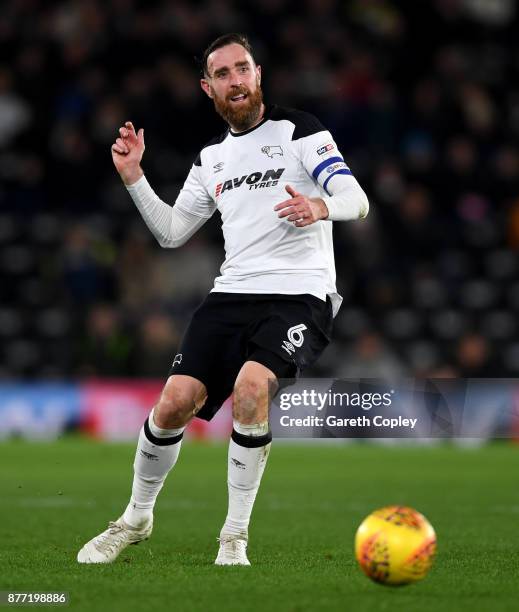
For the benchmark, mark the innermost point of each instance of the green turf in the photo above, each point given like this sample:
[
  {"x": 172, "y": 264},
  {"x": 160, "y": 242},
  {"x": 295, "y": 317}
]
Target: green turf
[{"x": 54, "y": 497}]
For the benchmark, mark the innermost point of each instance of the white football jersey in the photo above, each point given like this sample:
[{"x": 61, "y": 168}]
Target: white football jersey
[{"x": 244, "y": 175}]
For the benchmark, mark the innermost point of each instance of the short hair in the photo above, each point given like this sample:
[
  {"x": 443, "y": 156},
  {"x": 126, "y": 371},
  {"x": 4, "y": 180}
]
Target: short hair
[{"x": 223, "y": 41}]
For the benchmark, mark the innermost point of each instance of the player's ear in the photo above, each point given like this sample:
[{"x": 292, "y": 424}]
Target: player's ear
[
  {"x": 258, "y": 74},
  {"x": 206, "y": 87}
]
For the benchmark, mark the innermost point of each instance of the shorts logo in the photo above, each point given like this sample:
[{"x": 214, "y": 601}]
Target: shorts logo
[
  {"x": 272, "y": 150},
  {"x": 178, "y": 359},
  {"x": 295, "y": 338},
  {"x": 324, "y": 149}
]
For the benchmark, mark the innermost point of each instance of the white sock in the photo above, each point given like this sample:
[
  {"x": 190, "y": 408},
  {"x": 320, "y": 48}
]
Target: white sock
[
  {"x": 246, "y": 463},
  {"x": 157, "y": 452}
]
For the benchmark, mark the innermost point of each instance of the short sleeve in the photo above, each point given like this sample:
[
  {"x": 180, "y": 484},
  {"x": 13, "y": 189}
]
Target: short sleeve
[{"x": 194, "y": 197}]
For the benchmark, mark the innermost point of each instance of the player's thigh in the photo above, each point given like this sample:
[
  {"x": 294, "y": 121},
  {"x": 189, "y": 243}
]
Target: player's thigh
[
  {"x": 212, "y": 346},
  {"x": 180, "y": 400}
]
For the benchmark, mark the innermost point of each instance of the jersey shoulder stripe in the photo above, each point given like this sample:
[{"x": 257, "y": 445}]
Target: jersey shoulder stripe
[
  {"x": 214, "y": 141},
  {"x": 305, "y": 123}
]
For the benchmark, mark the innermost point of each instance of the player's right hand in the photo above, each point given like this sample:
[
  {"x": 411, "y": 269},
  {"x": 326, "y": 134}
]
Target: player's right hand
[{"x": 127, "y": 152}]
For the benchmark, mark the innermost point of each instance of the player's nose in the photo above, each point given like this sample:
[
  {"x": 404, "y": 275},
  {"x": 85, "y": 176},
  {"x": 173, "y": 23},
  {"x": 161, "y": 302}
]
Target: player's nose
[{"x": 236, "y": 80}]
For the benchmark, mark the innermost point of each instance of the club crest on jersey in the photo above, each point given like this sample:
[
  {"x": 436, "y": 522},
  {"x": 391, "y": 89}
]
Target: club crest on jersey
[
  {"x": 324, "y": 149},
  {"x": 272, "y": 150},
  {"x": 255, "y": 180}
]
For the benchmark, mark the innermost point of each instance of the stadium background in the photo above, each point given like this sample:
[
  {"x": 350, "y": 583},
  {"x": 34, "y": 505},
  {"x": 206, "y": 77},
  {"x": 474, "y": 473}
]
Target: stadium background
[
  {"x": 427, "y": 117},
  {"x": 423, "y": 99}
]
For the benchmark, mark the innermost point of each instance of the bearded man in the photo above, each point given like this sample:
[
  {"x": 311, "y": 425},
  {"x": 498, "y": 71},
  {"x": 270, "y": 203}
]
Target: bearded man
[{"x": 278, "y": 180}]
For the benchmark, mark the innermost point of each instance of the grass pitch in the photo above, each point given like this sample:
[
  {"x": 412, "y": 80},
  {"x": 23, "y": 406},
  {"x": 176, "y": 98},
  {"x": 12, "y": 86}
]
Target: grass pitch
[{"x": 54, "y": 497}]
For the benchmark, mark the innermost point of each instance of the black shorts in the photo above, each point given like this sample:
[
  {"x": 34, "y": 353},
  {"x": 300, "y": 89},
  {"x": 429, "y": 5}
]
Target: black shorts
[{"x": 285, "y": 333}]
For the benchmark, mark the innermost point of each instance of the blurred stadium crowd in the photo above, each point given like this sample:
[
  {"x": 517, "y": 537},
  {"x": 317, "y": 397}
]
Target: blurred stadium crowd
[{"x": 422, "y": 97}]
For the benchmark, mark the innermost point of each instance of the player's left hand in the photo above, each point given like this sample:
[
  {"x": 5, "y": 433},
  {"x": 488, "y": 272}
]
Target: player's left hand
[{"x": 300, "y": 209}]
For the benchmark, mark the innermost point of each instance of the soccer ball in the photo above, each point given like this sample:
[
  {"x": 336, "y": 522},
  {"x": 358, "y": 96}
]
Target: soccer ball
[{"x": 395, "y": 545}]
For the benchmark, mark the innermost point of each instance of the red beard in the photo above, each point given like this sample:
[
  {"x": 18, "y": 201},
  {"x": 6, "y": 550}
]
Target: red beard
[{"x": 243, "y": 116}]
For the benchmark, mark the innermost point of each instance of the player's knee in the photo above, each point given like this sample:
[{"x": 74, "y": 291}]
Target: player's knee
[
  {"x": 173, "y": 410},
  {"x": 250, "y": 399},
  {"x": 177, "y": 404}
]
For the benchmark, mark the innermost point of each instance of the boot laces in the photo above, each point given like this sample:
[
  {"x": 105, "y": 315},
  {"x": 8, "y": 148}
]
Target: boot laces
[
  {"x": 111, "y": 539},
  {"x": 233, "y": 546}
]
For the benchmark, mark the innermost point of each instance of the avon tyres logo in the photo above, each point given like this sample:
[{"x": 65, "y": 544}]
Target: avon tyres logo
[
  {"x": 255, "y": 180},
  {"x": 272, "y": 150}
]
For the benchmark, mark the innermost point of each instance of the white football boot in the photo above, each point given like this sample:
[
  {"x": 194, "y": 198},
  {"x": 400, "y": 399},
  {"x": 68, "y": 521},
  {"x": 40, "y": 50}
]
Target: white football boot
[
  {"x": 106, "y": 547},
  {"x": 233, "y": 550}
]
